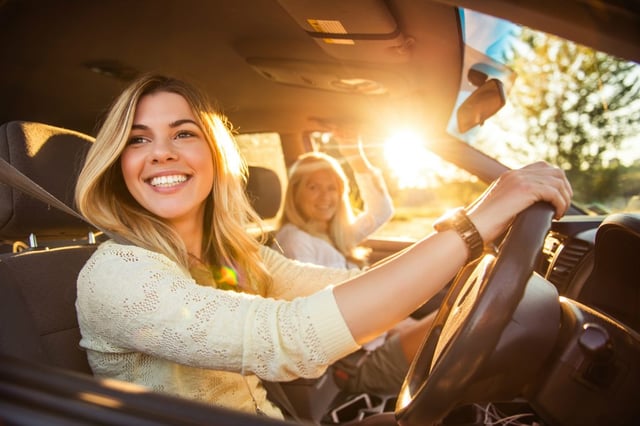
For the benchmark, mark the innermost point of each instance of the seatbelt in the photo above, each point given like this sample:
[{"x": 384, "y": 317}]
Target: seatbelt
[
  {"x": 14, "y": 178},
  {"x": 275, "y": 391}
]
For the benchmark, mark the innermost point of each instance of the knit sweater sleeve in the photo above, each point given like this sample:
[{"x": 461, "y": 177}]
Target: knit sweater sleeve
[
  {"x": 133, "y": 300},
  {"x": 293, "y": 278}
]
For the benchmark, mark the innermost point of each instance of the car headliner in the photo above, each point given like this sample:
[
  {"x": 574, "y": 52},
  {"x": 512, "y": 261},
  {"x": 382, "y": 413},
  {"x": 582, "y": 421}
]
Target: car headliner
[{"x": 236, "y": 49}]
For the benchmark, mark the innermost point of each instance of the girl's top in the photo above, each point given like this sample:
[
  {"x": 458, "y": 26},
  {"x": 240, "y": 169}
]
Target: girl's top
[
  {"x": 300, "y": 245},
  {"x": 143, "y": 319}
]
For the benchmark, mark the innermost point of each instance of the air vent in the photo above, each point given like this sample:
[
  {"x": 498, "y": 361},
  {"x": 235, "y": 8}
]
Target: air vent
[{"x": 567, "y": 257}]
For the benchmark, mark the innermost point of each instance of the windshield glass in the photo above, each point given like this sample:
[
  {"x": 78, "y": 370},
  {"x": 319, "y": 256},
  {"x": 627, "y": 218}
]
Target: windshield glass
[{"x": 565, "y": 103}]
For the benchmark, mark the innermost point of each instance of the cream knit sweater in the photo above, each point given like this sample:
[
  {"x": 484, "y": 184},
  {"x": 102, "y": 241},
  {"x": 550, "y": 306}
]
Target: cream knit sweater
[{"x": 144, "y": 320}]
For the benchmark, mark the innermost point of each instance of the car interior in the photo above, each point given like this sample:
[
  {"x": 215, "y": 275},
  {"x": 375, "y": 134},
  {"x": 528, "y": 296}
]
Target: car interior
[{"x": 554, "y": 335}]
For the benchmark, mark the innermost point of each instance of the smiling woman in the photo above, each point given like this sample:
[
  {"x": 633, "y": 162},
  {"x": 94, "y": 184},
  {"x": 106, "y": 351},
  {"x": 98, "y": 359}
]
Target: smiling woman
[{"x": 167, "y": 149}]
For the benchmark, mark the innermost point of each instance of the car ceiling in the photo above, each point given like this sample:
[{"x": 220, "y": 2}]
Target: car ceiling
[
  {"x": 222, "y": 46},
  {"x": 258, "y": 59}
]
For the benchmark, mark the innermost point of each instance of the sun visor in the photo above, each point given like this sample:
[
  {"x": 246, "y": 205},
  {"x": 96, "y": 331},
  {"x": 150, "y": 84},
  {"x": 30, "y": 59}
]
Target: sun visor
[{"x": 352, "y": 30}]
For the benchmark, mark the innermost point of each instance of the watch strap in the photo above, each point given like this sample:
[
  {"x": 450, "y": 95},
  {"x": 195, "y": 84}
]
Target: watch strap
[{"x": 460, "y": 222}]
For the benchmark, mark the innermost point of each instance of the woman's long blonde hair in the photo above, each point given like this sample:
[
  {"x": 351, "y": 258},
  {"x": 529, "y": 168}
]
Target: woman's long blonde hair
[
  {"x": 340, "y": 226},
  {"x": 103, "y": 198}
]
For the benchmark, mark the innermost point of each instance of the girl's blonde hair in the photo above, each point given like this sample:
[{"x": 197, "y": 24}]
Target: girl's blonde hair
[
  {"x": 340, "y": 226},
  {"x": 103, "y": 198}
]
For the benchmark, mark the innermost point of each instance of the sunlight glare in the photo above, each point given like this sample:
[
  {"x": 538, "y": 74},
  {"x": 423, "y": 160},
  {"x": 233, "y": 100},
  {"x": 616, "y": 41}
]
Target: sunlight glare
[{"x": 413, "y": 165}]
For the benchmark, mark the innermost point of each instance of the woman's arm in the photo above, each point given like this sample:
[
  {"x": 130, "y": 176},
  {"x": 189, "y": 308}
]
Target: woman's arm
[
  {"x": 378, "y": 205},
  {"x": 293, "y": 279},
  {"x": 422, "y": 270},
  {"x": 133, "y": 300}
]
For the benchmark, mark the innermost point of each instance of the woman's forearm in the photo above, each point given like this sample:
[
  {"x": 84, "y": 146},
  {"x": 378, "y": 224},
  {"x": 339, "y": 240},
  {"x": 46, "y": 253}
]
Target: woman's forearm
[{"x": 397, "y": 287}]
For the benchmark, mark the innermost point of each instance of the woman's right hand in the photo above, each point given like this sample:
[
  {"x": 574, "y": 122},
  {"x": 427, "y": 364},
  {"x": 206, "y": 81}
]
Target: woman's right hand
[
  {"x": 514, "y": 191},
  {"x": 349, "y": 143}
]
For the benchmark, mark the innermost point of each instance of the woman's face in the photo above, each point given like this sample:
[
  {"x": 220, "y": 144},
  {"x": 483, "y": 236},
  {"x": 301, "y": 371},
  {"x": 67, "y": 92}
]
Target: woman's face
[
  {"x": 167, "y": 164},
  {"x": 318, "y": 196}
]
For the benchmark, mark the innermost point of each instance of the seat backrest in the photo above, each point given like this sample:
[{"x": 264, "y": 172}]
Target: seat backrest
[
  {"x": 52, "y": 158},
  {"x": 38, "y": 285},
  {"x": 264, "y": 191},
  {"x": 612, "y": 287}
]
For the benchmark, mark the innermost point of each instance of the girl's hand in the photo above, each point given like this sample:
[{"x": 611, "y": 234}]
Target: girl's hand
[
  {"x": 350, "y": 146},
  {"x": 349, "y": 143},
  {"x": 516, "y": 190}
]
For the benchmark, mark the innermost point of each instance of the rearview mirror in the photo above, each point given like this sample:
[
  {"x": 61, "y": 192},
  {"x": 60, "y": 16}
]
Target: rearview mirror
[{"x": 484, "y": 102}]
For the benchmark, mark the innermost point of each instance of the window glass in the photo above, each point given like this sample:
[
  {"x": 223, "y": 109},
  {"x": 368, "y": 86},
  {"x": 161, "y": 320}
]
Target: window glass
[{"x": 567, "y": 104}]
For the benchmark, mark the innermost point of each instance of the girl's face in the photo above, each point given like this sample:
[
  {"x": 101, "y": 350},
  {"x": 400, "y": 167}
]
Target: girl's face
[
  {"x": 318, "y": 196},
  {"x": 167, "y": 164}
]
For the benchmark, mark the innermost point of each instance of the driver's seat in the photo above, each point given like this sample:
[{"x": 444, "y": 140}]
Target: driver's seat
[{"x": 38, "y": 279}]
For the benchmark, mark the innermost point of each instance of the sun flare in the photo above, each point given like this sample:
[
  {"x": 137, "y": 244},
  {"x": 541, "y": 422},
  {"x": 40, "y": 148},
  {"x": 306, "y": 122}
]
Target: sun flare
[{"x": 413, "y": 165}]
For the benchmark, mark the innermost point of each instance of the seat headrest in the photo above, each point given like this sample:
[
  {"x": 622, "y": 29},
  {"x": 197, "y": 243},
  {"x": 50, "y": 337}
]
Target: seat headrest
[
  {"x": 264, "y": 191},
  {"x": 51, "y": 157}
]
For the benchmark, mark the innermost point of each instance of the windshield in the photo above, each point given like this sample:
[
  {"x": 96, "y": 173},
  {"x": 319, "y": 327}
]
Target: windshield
[{"x": 565, "y": 103}]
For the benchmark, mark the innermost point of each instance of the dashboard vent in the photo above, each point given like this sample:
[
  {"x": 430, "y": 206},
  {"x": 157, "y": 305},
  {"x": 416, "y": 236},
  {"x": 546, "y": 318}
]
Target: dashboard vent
[{"x": 567, "y": 257}]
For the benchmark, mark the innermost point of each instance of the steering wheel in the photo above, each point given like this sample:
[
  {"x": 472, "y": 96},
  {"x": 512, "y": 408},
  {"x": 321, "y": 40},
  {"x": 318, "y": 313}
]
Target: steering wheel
[{"x": 463, "y": 359}]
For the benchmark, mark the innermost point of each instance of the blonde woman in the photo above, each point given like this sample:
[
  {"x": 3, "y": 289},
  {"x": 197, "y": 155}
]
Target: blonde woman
[
  {"x": 160, "y": 310},
  {"x": 318, "y": 224}
]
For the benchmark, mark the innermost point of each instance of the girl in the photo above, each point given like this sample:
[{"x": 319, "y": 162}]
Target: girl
[{"x": 318, "y": 224}]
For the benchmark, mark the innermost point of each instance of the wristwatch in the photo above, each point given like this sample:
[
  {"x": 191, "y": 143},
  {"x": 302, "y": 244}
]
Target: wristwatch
[{"x": 459, "y": 221}]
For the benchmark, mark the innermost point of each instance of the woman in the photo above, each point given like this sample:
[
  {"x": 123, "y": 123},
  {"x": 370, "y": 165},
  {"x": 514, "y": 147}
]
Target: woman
[
  {"x": 165, "y": 175},
  {"x": 318, "y": 224}
]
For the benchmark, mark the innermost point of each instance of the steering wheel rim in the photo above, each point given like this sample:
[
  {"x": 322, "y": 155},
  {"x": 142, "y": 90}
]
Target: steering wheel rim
[{"x": 464, "y": 334}]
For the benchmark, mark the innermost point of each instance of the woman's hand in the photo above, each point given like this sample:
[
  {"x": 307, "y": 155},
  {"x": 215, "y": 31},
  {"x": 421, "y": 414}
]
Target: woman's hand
[
  {"x": 516, "y": 190},
  {"x": 349, "y": 142}
]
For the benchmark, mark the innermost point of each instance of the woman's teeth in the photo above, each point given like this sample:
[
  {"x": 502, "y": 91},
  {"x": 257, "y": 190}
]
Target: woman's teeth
[{"x": 166, "y": 181}]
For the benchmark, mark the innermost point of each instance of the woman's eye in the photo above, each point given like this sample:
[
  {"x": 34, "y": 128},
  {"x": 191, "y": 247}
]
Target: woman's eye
[
  {"x": 184, "y": 134},
  {"x": 134, "y": 140}
]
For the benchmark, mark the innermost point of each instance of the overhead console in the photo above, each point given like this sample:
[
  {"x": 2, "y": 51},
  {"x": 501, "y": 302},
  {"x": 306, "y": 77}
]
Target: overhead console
[{"x": 352, "y": 30}]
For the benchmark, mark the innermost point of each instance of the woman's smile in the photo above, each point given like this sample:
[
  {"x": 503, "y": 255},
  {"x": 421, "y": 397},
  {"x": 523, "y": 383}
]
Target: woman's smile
[
  {"x": 167, "y": 181},
  {"x": 167, "y": 164}
]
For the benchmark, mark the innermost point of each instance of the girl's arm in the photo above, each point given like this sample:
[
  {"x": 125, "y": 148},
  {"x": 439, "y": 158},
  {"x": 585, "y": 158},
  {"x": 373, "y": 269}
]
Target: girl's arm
[{"x": 416, "y": 275}]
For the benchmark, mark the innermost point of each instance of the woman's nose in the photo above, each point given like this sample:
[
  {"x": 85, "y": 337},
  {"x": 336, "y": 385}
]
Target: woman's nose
[
  {"x": 325, "y": 193},
  {"x": 163, "y": 150}
]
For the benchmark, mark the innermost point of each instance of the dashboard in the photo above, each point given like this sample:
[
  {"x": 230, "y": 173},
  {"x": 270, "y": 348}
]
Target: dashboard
[{"x": 595, "y": 260}]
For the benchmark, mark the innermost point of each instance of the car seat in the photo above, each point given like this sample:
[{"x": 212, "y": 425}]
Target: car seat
[{"x": 38, "y": 281}]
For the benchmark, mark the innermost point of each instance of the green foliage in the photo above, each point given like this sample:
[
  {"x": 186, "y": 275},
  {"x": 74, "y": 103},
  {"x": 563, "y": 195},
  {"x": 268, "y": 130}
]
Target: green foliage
[{"x": 580, "y": 106}]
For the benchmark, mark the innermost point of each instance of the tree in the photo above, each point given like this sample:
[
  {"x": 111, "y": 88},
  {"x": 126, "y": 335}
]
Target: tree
[{"x": 579, "y": 106}]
